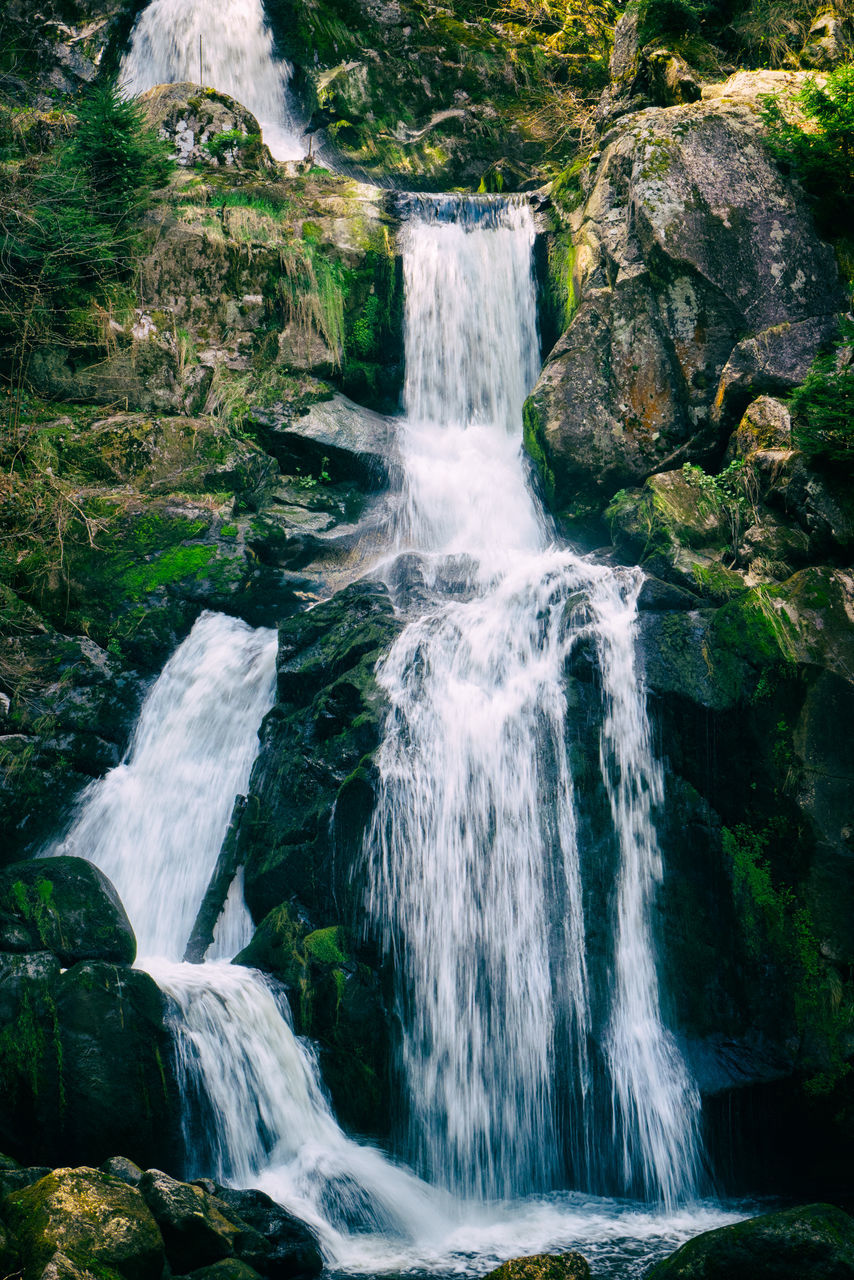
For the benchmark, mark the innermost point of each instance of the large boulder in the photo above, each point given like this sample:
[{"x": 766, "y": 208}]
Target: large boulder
[
  {"x": 66, "y": 906},
  {"x": 699, "y": 282},
  {"x": 85, "y": 1063},
  {"x": 276, "y": 1243},
  {"x": 205, "y": 127},
  {"x": 195, "y": 1232},
  {"x": 815, "y": 1242},
  {"x": 94, "y": 1222}
]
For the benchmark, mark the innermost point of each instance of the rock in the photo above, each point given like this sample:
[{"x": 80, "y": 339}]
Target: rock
[
  {"x": 328, "y": 718},
  {"x": 337, "y": 1002},
  {"x": 294, "y": 1251},
  {"x": 66, "y": 906},
  {"x": 815, "y": 1242},
  {"x": 117, "y": 1066},
  {"x": 121, "y": 1167},
  {"x": 31, "y": 1091},
  {"x": 313, "y": 785},
  {"x": 227, "y": 1269},
  {"x": 673, "y": 82},
  {"x": 829, "y": 42},
  {"x": 543, "y": 1266},
  {"x": 93, "y": 1220},
  {"x": 767, "y": 424},
  {"x": 355, "y": 439},
  {"x": 72, "y": 706},
  {"x": 205, "y": 127},
  {"x": 194, "y": 1231},
  {"x": 699, "y": 282}
]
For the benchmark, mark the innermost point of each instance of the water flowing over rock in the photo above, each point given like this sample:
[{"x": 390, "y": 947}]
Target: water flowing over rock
[
  {"x": 229, "y": 47},
  {"x": 465, "y": 858}
]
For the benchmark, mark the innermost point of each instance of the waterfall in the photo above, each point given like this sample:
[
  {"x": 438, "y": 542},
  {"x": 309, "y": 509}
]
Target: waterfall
[
  {"x": 474, "y": 858},
  {"x": 473, "y": 851},
  {"x": 236, "y": 57},
  {"x": 155, "y": 823}
]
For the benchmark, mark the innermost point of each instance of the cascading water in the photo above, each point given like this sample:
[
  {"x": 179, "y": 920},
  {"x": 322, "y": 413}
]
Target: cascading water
[
  {"x": 475, "y": 872},
  {"x": 473, "y": 850},
  {"x": 235, "y": 46},
  {"x": 156, "y": 823}
]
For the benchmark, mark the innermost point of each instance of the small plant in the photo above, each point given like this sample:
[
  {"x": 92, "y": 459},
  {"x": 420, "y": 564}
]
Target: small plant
[{"x": 732, "y": 492}]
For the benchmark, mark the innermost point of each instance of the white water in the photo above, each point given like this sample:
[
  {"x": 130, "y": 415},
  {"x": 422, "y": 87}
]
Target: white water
[
  {"x": 237, "y": 58},
  {"x": 473, "y": 852},
  {"x": 155, "y": 823}
]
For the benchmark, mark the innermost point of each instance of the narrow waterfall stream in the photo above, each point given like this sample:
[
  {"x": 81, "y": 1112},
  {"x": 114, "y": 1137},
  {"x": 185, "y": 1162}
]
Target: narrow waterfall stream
[
  {"x": 517, "y": 1086},
  {"x": 235, "y": 47}
]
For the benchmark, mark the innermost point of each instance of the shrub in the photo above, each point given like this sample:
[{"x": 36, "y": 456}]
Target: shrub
[
  {"x": 823, "y": 405},
  {"x": 821, "y": 154}
]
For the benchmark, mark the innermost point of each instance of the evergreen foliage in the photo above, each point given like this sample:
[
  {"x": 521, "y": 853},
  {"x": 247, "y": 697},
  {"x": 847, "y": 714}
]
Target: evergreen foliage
[
  {"x": 820, "y": 153},
  {"x": 823, "y": 405}
]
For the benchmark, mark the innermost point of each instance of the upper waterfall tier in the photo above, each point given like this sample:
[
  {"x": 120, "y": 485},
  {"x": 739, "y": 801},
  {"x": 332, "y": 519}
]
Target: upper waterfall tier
[{"x": 230, "y": 47}]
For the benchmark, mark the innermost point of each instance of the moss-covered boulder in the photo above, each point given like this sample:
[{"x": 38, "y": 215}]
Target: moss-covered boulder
[
  {"x": 815, "y": 1242},
  {"x": 204, "y": 126},
  {"x": 98, "y": 1223},
  {"x": 195, "y": 1232},
  {"x": 543, "y": 1266},
  {"x": 117, "y": 1067},
  {"x": 66, "y": 906},
  {"x": 85, "y": 1064}
]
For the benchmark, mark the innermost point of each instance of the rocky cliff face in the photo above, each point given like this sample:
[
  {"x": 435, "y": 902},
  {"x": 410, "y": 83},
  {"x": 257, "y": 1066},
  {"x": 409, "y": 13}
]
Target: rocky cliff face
[{"x": 696, "y": 282}]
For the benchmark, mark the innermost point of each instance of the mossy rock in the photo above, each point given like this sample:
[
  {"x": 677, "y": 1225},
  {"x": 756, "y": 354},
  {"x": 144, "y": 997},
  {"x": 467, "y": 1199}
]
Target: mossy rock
[
  {"x": 815, "y": 1242},
  {"x": 93, "y": 1220},
  {"x": 66, "y": 906},
  {"x": 543, "y": 1266},
  {"x": 195, "y": 1232}
]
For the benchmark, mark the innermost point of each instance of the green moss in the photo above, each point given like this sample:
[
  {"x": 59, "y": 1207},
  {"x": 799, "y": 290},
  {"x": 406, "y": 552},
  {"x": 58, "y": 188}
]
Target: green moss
[
  {"x": 326, "y": 945},
  {"x": 775, "y": 924},
  {"x": 532, "y": 440},
  {"x": 171, "y": 566},
  {"x": 228, "y": 531}
]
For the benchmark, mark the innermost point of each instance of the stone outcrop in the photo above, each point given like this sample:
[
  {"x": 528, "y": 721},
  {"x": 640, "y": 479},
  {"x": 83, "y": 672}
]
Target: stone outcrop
[
  {"x": 118, "y": 1223},
  {"x": 205, "y": 127},
  {"x": 698, "y": 283},
  {"x": 66, "y": 906},
  {"x": 815, "y": 1242}
]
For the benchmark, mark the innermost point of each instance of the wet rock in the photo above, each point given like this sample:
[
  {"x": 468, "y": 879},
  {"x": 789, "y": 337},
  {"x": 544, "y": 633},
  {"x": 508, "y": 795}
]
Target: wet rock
[
  {"x": 337, "y": 1001},
  {"x": 92, "y": 1220},
  {"x": 543, "y": 1266},
  {"x": 289, "y": 1248},
  {"x": 815, "y": 1242},
  {"x": 121, "y": 1167},
  {"x": 699, "y": 283},
  {"x": 66, "y": 906},
  {"x": 313, "y": 785},
  {"x": 117, "y": 1068},
  {"x": 205, "y": 127},
  {"x": 194, "y": 1231}
]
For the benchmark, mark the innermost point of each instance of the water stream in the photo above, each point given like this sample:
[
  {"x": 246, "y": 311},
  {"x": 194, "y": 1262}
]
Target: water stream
[
  {"x": 227, "y": 46},
  {"x": 517, "y": 1083}
]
